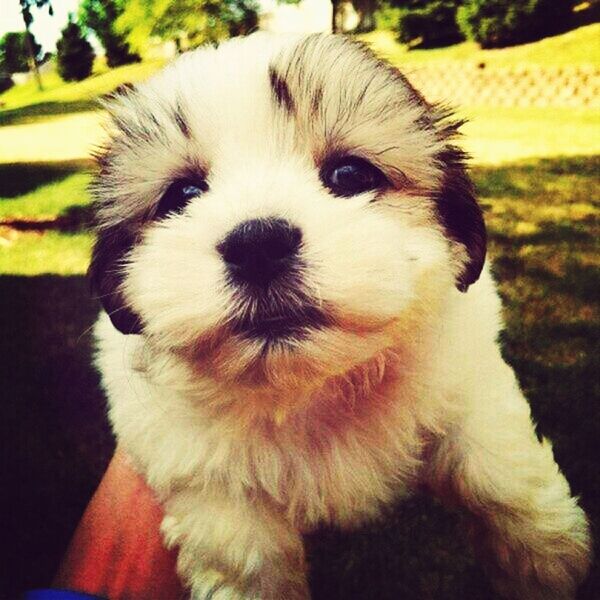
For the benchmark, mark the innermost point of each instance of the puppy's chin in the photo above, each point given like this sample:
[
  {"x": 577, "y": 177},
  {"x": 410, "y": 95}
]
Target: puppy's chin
[{"x": 295, "y": 353}]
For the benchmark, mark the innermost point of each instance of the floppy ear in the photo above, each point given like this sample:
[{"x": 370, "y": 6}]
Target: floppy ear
[
  {"x": 461, "y": 216},
  {"x": 113, "y": 242},
  {"x": 106, "y": 277}
]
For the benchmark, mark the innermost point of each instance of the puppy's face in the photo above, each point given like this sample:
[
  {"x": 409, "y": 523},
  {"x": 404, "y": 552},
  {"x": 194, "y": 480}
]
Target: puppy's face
[{"x": 278, "y": 211}]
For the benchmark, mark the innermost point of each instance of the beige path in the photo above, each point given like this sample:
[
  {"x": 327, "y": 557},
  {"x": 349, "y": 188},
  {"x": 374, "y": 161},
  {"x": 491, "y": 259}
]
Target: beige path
[{"x": 62, "y": 137}]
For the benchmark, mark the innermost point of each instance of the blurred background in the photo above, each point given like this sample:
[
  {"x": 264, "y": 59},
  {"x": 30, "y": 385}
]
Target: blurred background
[{"x": 526, "y": 75}]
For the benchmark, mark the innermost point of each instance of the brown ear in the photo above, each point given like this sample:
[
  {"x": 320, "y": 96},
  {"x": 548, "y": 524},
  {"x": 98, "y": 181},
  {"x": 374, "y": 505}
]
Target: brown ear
[
  {"x": 106, "y": 277},
  {"x": 460, "y": 214}
]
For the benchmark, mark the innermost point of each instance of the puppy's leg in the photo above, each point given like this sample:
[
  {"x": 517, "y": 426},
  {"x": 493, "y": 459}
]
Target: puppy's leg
[
  {"x": 234, "y": 549},
  {"x": 524, "y": 520}
]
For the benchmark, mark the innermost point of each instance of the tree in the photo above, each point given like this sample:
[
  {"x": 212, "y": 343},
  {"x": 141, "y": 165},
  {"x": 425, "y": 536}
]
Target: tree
[
  {"x": 74, "y": 54},
  {"x": 14, "y": 51},
  {"x": 100, "y": 17},
  {"x": 6, "y": 82},
  {"x": 241, "y": 16},
  {"x": 186, "y": 22},
  {"x": 497, "y": 23},
  {"x": 26, "y": 6},
  {"x": 366, "y": 11},
  {"x": 428, "y": 23}
]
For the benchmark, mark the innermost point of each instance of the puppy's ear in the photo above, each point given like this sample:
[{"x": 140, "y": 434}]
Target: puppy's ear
[
  {"x": 106, "y": 277},
  {"x": 113, "y": 241},
  {"x": 460, "y": 215}
]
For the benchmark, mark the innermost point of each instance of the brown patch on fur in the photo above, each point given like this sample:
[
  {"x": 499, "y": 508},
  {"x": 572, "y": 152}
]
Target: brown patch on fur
[
  {"x": 281, "y": 91},
  {"x": 359, "y": 324}
]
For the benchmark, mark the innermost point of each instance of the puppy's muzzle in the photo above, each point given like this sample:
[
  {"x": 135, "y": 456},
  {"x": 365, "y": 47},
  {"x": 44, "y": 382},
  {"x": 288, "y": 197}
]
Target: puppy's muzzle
[
  {"x": 261, "y": 251},
  {"x": 262, "y": 258}
]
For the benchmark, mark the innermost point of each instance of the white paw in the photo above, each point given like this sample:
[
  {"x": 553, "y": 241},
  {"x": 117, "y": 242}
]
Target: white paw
[
  {"x": 211, "y": 585},
  {"x": 545, "y": 566}
]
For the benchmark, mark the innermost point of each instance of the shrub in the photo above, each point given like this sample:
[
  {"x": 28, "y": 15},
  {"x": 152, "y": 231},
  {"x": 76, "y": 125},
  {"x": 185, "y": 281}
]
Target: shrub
[
  {"x": 428, "y": 23},
  {"x": 241, "y": 16},
  {"x": 14, "y": 54},
  {"x": 6, "y": 82},
  {"x": 497, "y": 23},
  {"x": 74, "y": 55},
  {"x": 100, "y": 16}
]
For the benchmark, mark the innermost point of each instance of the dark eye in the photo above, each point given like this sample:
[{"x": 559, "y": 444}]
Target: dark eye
[
  {"x": 178, "y": 194},
  {"x": 351, "y": 175}
]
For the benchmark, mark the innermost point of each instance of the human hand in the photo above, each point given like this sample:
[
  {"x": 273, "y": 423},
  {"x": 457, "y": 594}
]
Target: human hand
[{"x": 117, "y": 550}]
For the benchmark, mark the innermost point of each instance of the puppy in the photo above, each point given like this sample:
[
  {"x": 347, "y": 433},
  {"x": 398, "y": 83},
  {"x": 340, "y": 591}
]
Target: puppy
[{"x": 303, "y": 328}]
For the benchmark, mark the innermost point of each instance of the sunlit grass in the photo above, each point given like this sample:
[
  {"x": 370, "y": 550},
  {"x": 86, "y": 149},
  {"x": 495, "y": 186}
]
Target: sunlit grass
[
  {"x": 544, "y": 222},
  {"x": 500, "y": 135},
  {"x": 577, "y": 47},
  {"x": 46, "y": 201},
  {"x": 25, "y": 103},
  {"x": 36, "y": 253},
  {"x": 42, "y": 216},
  {"x": 101, "y": 82}
]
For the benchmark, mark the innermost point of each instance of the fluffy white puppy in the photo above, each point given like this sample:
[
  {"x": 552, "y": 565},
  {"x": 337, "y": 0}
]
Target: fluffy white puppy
[{"x": 292, "y": 257}]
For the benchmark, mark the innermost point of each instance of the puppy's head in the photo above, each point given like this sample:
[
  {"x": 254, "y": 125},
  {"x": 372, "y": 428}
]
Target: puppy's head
[{"x": 280, "y": 210}]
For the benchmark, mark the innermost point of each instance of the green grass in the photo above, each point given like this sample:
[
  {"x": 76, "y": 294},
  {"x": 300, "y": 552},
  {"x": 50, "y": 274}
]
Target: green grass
[
  {"x": 42, "y": 189},
  {"x": 537, "y": 179},
  {"x": 577, "y": 47},
  {"x": 543, "y": 217},
  {"x": 47, "y": 252},
  {"x": 25, "y": 103},
  {"x": 497, "y": 135},
  {"x": 544, "y": 224},
  {"x": 43, "y": 213}
]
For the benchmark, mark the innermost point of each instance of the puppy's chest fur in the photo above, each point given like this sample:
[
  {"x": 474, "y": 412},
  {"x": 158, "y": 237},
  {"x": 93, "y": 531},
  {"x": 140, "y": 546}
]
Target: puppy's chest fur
[{"x": 357, "y": 447}]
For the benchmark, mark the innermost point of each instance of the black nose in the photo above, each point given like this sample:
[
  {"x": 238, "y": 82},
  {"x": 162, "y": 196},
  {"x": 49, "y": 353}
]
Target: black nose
[{"x": 260, "y": 250}]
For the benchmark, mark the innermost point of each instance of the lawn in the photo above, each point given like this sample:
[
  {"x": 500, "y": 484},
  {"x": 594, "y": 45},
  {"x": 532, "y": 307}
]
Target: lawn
[
  {"x": 577, "y": 47},
  {"x": 537, "y": 174},
  {"x": 25, "y": 103}
]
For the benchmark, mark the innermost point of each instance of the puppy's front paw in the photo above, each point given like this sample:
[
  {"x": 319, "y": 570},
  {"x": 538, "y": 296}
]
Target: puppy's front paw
[
  {"x": 211, "y": 585},
  {"x": 544, "y": 563}
]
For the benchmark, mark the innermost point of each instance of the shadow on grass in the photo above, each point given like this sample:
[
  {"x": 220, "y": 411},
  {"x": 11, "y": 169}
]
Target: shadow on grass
[
  {"x": 38, "y": 112},
  {"x": 72, "y": 220},
  {"x": 549, "y": 233},
  {"x": 417, "y": 551},
  {"x": 17, "y": 179},
  {"x": 52, "y": 421},
  {"x": 579, "y": 281},
  {"x": 521, "y": 179}
]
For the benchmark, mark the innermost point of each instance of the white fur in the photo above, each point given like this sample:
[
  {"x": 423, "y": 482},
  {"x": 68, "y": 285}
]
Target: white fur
[{"x": 406, "y": 387}]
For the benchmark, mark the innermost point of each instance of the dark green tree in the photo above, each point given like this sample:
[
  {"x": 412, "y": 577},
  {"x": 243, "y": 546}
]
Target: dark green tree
[
  {"x": 14, "y": 51},
  {"x": 366, "y": 11},
  {"x": 6, "y": 82},
  {"x": 74, "y": 54},
  {"x": 100, "y": 17},
  {"x": 241, "y": 16},
  {"x": 428, "y": 23},
  {"x": 26, "y": 7},
  {"x": 497, "y": 23}
]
